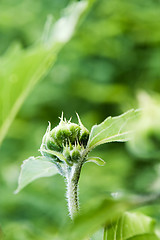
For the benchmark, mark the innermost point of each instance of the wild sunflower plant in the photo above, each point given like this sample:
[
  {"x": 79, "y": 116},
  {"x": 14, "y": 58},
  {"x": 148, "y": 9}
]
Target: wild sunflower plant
[{"x": 66, "y": 147}]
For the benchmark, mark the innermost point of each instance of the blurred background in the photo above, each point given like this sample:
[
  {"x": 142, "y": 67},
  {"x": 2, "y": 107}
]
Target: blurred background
[{"x": 111, "y": 64}]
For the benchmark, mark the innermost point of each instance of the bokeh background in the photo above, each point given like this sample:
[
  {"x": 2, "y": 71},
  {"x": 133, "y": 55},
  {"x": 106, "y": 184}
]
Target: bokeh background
[{"x": 111, "y": 64}]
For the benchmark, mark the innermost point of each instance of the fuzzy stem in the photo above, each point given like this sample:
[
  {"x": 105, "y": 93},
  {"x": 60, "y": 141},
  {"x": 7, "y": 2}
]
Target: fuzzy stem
[
  {"x": 72, "y": 198},
  {"x": 72, "y": 189}
]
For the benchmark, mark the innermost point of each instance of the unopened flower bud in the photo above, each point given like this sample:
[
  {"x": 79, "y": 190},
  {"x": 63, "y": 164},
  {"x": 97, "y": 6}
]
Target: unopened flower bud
[
  {"x": 65, "y": 142},
  {"x": 66, "y": 153},
  {"x": 84, "y": 133},
  {"x": 75, "y": 131},
  {"x": 48, "y": 144},
  {"x": 52, "y": 146},
  {"x": 76, "y": 153},
  {"x": 61, "y": 134}
]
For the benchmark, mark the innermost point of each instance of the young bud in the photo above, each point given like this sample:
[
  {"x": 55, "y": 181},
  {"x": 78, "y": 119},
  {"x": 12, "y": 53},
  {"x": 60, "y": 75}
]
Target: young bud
[
  {"x": 76, "y": 153},
  {"x": 66, "y": 153},
  {"x": 61, "y": 134},
  {"x": 48, "y": 142},
  {"x": 84, "y": 136},
  {"x": 67, "y": 139},
  {"x": 75, "y": 131},
  {"x": 84, "y": 133},
  {"x": 51, "y": 145}
]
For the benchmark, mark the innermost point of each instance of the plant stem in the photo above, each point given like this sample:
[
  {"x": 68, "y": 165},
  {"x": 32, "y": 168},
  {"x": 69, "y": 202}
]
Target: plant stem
[
  {"x": 72, "y": 198},
  {"x": 72, "y": 189}
]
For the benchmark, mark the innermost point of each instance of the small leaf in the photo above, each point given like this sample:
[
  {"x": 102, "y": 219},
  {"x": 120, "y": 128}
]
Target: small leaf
[
  {"x": 96, "y": 160},
  {"x": 116, "y": 129},
  {"x": 131, "y": 225},
  {"x": 34, "y": 168}
]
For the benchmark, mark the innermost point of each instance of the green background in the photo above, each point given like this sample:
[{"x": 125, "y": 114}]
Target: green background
[{"x": 113, "y": 55}]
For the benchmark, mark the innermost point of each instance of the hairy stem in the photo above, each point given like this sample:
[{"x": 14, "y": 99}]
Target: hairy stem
[
  {"x": 72, "y": 198},
  {"x": 72, "y": 189}
]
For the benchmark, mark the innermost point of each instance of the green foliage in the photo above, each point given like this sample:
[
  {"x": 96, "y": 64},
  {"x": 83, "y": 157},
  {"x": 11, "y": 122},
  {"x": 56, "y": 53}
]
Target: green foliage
[
  {"x": 145, "y": 237},
  {"x": 67, "y": 137},
  {"x": 146, "y": 140},
  {"x": 132, "y": 225},
  {"x": 22, "y": 69},
  {"x": 34, "y": 168},
  {"x": 114, "y": 54},
  {"x": 117, "y": 129},
  {"x": 100, "y": 212}
]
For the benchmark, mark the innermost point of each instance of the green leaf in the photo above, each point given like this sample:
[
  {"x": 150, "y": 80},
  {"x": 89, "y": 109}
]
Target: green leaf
[
  {"x": 131, "y": 225},
  {"x": 145, "y": 237},
  {"x": 96, "y": 214},
  {"x": 98, "y": 235},
  {"x": 96, "y": 160},
  {"x": 21, "y": 69},
  {"x": 116, "y": 129},
  {"x": 34, "y": 168}
]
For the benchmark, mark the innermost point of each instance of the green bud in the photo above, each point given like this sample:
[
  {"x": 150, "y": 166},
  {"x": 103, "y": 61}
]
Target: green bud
[
  {"x": 84, "y": 136},
  {"x": 61, "y": 134},
  {"x": 84, "y": 133},
  {"x": 66, "y": 153},
  {"x": 75, "y": 131},
  {"x": 65, "y": 133},
  {"x": 76, "y": 153},
  {"x": 51, "y": 145},
  {"x": 67, "y": 139},
  {"x": 48, "y": 142}
]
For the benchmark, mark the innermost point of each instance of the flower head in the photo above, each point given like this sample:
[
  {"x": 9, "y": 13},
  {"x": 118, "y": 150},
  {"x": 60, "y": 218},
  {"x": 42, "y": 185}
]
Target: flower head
[{"x": 66, "y": 138}]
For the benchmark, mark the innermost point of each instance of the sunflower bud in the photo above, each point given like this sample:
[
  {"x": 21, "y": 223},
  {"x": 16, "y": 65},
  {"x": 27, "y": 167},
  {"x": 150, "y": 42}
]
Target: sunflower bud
[
  {"x": 48, "y": 144},
  {"x": 84, "y": 133},
  {"x": 61, "y": 134},
  {"x": 66, "y": 153},
  {"x": 76, "y": 153},
  {"x": 65, "y": 142},
  {"x": 75, "y": 132}
]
